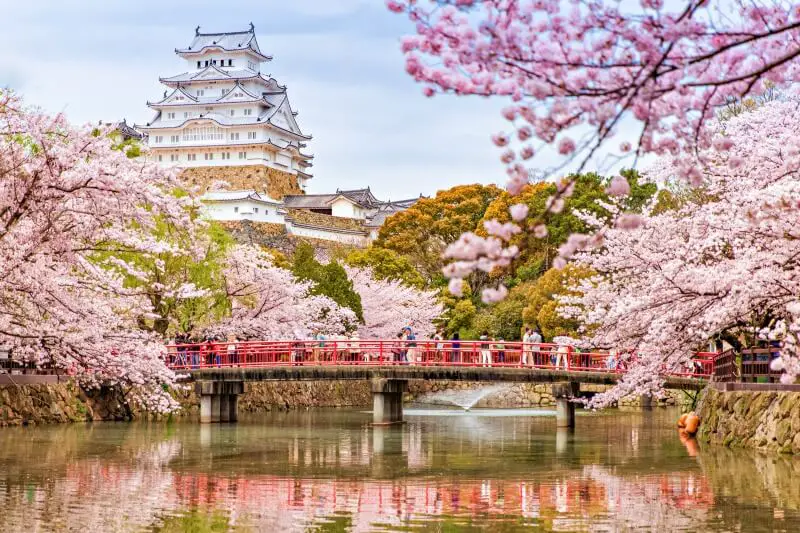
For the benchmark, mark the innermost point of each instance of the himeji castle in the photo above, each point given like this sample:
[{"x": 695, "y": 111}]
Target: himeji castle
[
  {"x": 224, "y": 121},
  {"x": 223, "y": 111}
]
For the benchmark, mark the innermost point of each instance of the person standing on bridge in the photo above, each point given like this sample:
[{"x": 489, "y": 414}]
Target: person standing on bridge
[
  {"x": 319, "y": 346},
  {"x": 410, "y": 338},
  {"x": 486, "y": 352},
  {"x": 562, "y": 355},
  {"x": 455, "y": 346},
  {"x": 536, "y": 347}
]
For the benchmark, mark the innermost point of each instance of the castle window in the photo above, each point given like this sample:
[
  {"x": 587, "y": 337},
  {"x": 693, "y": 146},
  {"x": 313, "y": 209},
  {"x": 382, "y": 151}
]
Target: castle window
[
  {"x": 200, "y": 92},
  {"x": 159, "y": 139},
  {"x": 191, "y": 157},
  {"x": 230, "y": 62},
  {"x": 236, "y": 209},
  {"x": 251, "y": 134},
  {"x": 198, "y": 64},
  {"x": 174, "y": 138},
  {"x": 159, "y": 159},
  {"x": 255, "y": 210},
  {"x": 242, "y": 155},
  {"x": 232, "y": 112},
  {"x": 210, "y": 133},
  {"x": 173, "y": 157},
  {"x": 248, "y": 112},
  {"x": 209, "y": 156},
  {"x": 234, "y": 136},
  {"x": 206, "y": 62}
]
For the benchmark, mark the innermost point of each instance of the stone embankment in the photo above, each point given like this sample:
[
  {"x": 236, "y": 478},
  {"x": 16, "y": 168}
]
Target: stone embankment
[
  {"x": 766, "y": 420},
  {"x": 67, "y": 402},
  {"x": 59, "y": 402}
]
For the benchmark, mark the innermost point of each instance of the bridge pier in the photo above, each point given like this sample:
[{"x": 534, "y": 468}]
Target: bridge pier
[
  {"x": 219, "y": 400},
  {"x": 387, "y": 400},
  {"x": 646, "y": 402},
  {"x": 565, "y": 408}
]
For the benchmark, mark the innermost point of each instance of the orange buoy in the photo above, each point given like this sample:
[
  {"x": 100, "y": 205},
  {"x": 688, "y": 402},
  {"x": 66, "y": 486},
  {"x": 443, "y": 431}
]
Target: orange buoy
[
  {"x": 692, "y": 423},
  {"x": 682, "y": 420},
  {"x": 689, "y": 442}
]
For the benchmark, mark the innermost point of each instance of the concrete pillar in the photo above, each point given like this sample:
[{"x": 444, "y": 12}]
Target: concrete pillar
[
  {"x": 219, "y": 400},
  {"x": 565, "y": 408},
  {"x": 233, "y": 408},
  {"x": 205, "y": 409},
  {"x": 563, "y": 439},
  {"x": 224, "y": 408},
  {"x": 646, "y": 401},
  {"x": 215, "y": 405},
  {"x": 387, "y": 400}
]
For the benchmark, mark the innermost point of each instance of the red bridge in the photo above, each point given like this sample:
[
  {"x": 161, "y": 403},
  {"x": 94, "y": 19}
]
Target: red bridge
[
  {"x": 220, "y": 369},
  {"x": 424, "y": 353}
]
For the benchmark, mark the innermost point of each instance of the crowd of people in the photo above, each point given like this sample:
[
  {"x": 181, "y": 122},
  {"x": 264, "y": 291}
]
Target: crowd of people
[{"x": 405, "y": 348}]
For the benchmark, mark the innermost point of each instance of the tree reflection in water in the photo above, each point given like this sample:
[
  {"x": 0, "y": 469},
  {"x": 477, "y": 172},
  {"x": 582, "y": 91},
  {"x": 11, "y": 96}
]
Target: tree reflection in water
[{"x": 329, "y": 471}]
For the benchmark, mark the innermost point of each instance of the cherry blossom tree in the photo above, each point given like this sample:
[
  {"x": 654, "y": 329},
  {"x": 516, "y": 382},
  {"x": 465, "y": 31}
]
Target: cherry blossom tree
[
  {"x": 389, "y": 305},
  {"x": 726, "y": 263},
  {"x": 269, "y": 303},
  {"x": 65, "y": 196},
  {"x": 578, "y": 72}
]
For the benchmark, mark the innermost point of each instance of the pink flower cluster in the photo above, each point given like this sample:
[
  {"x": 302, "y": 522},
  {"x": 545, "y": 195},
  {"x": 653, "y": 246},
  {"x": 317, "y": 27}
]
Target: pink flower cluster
[{"x": 666, "y": 284}]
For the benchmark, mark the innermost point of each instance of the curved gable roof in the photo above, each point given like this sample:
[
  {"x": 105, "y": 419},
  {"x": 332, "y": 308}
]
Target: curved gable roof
[{"x": 227, "y": 41}]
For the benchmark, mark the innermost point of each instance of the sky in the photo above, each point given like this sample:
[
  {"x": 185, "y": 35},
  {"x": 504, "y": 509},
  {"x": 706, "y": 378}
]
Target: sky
[{"x": 340, "y": 60}]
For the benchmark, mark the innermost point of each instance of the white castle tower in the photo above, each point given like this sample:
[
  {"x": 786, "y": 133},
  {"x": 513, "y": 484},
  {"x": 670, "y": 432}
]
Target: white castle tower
[{"x": 224, "y": 112}]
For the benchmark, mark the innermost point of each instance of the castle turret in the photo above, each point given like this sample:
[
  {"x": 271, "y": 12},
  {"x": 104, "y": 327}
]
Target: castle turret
[{"x": 224, "y": 112}]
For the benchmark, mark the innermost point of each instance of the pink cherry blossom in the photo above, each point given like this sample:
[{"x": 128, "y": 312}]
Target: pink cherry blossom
[
  {"x": 667, "y": 286},
  {"x": 389, "y": 305},
  {"x": 518, "y": 212},
  {"x": 618, "y": 187},
  {"x": 456, "y": 286},
  {"x": 629, "y": 221},
  {"x": 67, "y": 198},
  {"x": 490, "y": 295},
  {"x": 566, "y": 146}
]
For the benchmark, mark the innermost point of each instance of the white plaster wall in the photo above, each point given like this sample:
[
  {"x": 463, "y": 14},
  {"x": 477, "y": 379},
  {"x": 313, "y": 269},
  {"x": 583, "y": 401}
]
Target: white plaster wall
[
  {"x": 246, "y": 211},
  {"x": 314, "y": 233},
  {"x": 343, "y": 208}
]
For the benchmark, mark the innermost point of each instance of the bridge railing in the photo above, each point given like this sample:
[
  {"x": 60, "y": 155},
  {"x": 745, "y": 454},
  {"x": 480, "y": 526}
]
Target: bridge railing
[{"x": 335, "y": 352}]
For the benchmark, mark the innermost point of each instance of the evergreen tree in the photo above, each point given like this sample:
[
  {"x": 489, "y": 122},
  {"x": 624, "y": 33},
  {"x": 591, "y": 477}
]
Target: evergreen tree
[{"x": 329, "y": 280}]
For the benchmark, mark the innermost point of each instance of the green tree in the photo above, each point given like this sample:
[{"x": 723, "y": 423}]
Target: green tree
[
  {"x": 541, "y": 308},
  {"x": 504, "y": 319},
  {"x": 537, "y": 254},
  {"x": 330, "y": 280},
  {"x": 161, "y": 276},
  {"x": 422, "y": 232},
  {"x": 386, "y": 264}
]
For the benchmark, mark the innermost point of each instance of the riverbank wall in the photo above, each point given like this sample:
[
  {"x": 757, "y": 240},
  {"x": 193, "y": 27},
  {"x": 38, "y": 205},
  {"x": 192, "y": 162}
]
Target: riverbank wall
[
  {"x": 65, "y": 401},
  {"x": 766, "y": 420}
]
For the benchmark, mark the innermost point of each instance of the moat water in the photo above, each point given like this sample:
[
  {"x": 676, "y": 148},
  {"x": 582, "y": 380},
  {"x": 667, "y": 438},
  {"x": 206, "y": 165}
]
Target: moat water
[{"x": 444, "y": 470}]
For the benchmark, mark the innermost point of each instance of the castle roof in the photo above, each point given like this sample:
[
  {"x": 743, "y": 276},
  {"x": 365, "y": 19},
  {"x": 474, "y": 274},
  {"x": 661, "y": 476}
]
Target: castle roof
[
  {"x": 361, "y": 197},
  {"x": 214, "y": 73},
  {"x": 227, "y": 41},
  {"x": 233, "y": 196}
]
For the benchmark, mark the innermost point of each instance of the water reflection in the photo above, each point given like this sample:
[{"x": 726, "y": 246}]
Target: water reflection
[{"x": 329, "y": 470}]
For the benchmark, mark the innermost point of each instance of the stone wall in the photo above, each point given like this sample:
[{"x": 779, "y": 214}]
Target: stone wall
[
  {"x": 67, "y": 402},
  {"x": 275, "y": 237},
  {"x": 763, "y": 420},
  {"x": 59, "y": 402},
  {"x": 516, "y": 395},
  {"x": 276, "y": 183}
]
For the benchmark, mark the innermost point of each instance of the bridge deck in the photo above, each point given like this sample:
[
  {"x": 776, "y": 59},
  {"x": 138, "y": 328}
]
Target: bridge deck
[{"x": 428, "y": 372}]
